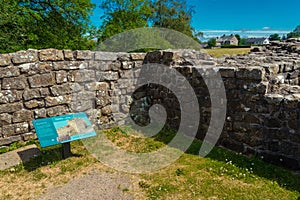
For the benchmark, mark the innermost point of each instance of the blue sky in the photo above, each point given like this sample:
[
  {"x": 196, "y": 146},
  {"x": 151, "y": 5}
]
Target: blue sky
[{"x": 239, "y": 14}]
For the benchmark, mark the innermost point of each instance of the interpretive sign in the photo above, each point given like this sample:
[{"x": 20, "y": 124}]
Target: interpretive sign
[{"x": 63, "y": 129}]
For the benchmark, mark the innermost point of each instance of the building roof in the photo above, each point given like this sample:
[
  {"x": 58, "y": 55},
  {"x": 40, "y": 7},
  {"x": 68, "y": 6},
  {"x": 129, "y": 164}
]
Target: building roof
[
  {"x": 256, "y": 40},
  {"x": 225, "y": 38}
]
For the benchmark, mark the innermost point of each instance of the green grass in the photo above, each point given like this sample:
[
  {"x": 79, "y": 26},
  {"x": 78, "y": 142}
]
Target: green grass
[
  {"x": 17, "y": 145},
  {"x": 229, "y": 51},
  {"x": 221, "y": 175}
]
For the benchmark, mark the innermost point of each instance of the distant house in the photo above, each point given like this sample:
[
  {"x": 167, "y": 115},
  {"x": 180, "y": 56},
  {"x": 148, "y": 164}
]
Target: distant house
[
  {"x": 258, "y": 41},
  {"x": 227, "y": 40}
]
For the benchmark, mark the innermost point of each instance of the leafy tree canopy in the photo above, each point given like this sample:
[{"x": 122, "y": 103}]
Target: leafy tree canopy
[
  {"x": 295, "y": 33},
  {"x": 274, "y": 37},
  {"x": 44, "y": 24},
  {"x": 212, "y": 42},
  {"x": 123, "y": 15}
]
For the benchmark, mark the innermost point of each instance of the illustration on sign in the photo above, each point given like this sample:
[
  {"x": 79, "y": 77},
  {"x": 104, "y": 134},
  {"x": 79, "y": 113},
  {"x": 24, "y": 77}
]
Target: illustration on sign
[{"x": 62, "y": 129}]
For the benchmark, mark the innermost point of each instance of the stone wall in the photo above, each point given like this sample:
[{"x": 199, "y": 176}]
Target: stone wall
[{"x": 262, "y": 90}]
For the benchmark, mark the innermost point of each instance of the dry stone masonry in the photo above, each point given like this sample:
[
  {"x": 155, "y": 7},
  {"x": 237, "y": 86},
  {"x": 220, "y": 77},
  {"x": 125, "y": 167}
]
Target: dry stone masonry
[{"x": 262, "y": 90}]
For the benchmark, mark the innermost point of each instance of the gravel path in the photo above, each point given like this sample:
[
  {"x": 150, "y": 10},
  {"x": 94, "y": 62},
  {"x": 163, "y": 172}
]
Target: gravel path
[{"x": 94, "y": 186}]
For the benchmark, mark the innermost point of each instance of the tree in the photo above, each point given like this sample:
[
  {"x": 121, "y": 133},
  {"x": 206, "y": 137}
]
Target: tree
[
  {"x": 239, "y": 38},
  {"x": 212, "y": 42},
  {"x": 295, "y": 33},
  {"x": 12, "y": 29},
  {"x": 173, "y": 14},
  {"x": 44, "y": 23},
  {"x": 243, "y": 42},
  {"x": 274, "y": 37},
  {"x": 123, "y": 15}
]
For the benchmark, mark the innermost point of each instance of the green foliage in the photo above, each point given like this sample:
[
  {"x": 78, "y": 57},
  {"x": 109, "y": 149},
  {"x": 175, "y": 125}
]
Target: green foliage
[
  {"x": 137, "y": 39},
  {"x": 238, "y": 37},
  {"x": 295, "y": 33},
  {"x": 274, "y": 37},
  {"x": 123, "y": 15},
  {"x": 143, "y": 39},
  {"x": 212, "y": 42},
  {"x": 172, "y": 14},
  {"x": 61, "y": 24},
  {"x": 243, "y": 42},
  {"x": 17, "y": 145}
]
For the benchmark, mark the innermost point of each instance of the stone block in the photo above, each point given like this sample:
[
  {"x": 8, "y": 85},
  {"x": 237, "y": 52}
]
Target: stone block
[
  {"x": 44, "y": 92},
  {"x": 107, "y": 76},
  {"x": 127, "y": 65},
  {"x": 28, "y": 56},
  {"x": 22, "y": 116},
  {"x": 137, "y": 56},
  {"x": 31, "y": 94},
  {"x": 83, "y": 55},
  {"x": 58, "y": 90},
  {"x": 54, "y": 101},
  {"x": 36, "y": 68},
  {"x": 68, "y": 54},
  {"x": 10, "y": 71},
  {"x": 15, "y": 129},
  {"x": 70, "y": 65},
  {"x": 34, "y": 104},
  {"x": 61, "y": 77},
  {"x": 5, "y": 119},
  {"x": 40, "y": 113},
  {"x": 100, "y": 65},
  {"x": 227, "y": 72},
  {"x": 10, "y": 96},
  {"x": 29, "y": 136},
  {"x": 153, "y": 57},
  {"x": 57, "y": 110},
  {"x": 97, "y": 86},
  {"x": 106, "y": 111},
  {"x": 17, "y": 83},
  {"x": 82, "y": 105},
  {"x": 11, "y": 108},
  {"x": 51, "y": 55},
  {"x": 251, "y": 73},
  {"x": 115, "y": 66},
  {"x": 102, "y": 101},
  {"x": 9, "y": 140},
  {"x": 84, "y": 95},
  {"x": 5, "y": 60},
  {"x": 83, "y": 75},
  {"x": 106, "y": 56},
  {"x": 42, "y": 80}
]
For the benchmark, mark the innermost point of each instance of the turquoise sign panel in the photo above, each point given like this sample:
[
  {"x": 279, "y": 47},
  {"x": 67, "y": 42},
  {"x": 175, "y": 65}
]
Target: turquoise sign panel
[{"x": 62, "y": 129}]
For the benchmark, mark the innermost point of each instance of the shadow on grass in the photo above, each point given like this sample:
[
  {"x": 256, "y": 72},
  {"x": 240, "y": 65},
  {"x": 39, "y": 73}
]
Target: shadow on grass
[
  {"x": 48, "y": 156},
  {"x": 283, "y": 177}
]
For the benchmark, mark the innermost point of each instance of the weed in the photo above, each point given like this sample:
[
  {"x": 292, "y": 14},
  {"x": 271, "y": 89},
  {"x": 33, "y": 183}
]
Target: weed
[{"x": 143, "y": 184}]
